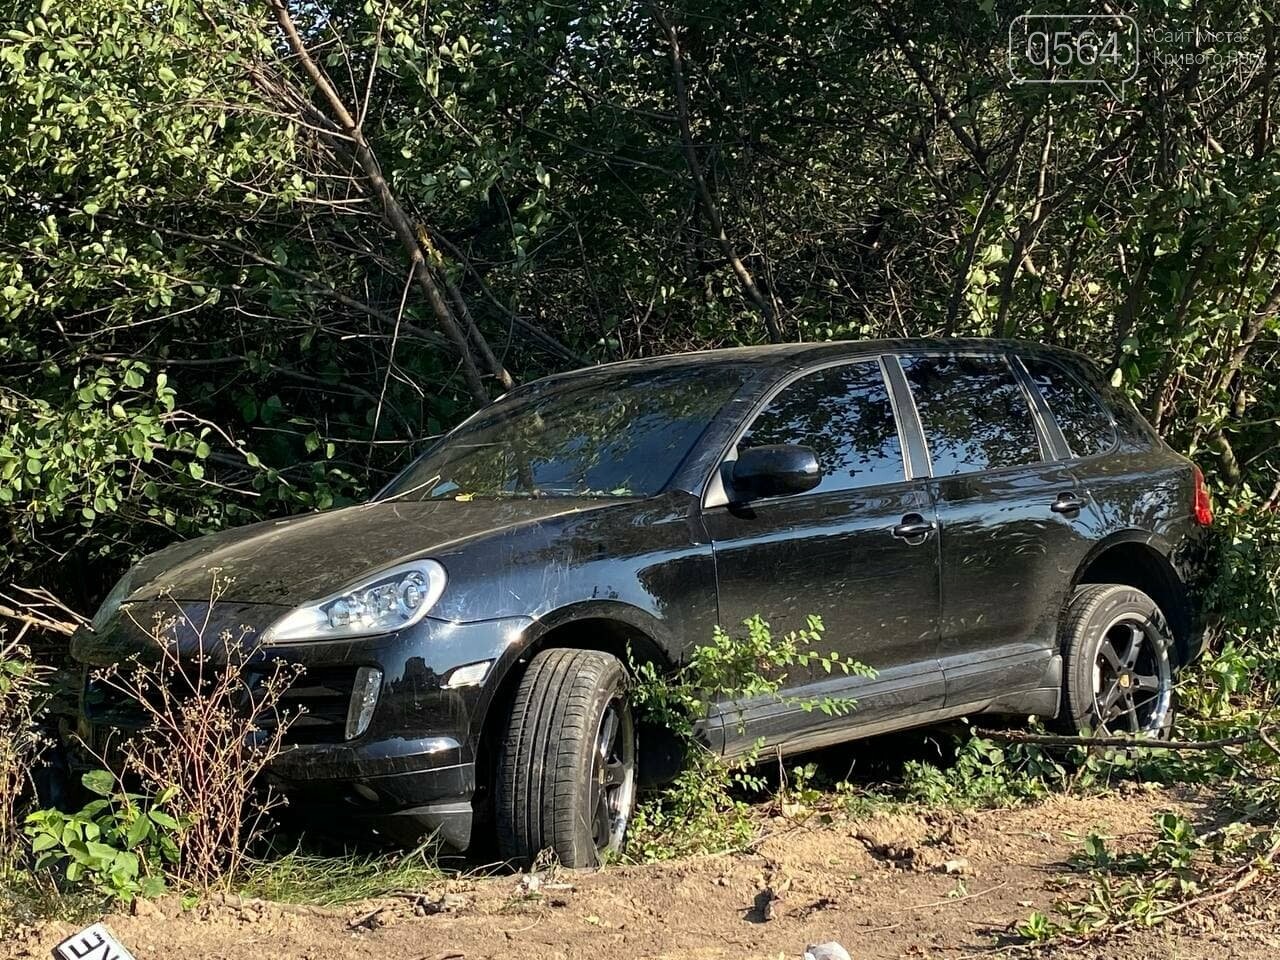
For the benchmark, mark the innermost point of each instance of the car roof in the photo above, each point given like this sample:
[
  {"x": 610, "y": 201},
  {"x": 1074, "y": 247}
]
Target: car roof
[{"x": 789, "y": 356}]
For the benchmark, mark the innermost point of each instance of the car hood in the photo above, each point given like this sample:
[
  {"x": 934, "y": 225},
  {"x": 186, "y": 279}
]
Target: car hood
[{"x": 289, "y": 562}]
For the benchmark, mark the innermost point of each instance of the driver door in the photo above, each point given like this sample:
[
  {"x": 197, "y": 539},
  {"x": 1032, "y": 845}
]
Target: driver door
[{"x": 839, "y": 551}]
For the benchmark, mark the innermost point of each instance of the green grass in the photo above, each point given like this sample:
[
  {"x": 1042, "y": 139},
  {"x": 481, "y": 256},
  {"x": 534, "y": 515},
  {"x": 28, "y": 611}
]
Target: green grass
[{"x": 297, "y": 877}]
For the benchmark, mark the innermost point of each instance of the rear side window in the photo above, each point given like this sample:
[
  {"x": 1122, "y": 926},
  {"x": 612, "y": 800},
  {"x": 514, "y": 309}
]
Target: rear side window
[
  {"x": 1080, "y": 416},
  {"x": 843, "y": 413},
  {"x": 974, "y": 414}
]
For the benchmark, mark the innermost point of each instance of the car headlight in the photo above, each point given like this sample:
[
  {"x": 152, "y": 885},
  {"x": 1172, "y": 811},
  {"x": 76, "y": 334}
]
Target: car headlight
[
  {"x": 109, "y": 606},
  {"x": 390, "y": 600}
]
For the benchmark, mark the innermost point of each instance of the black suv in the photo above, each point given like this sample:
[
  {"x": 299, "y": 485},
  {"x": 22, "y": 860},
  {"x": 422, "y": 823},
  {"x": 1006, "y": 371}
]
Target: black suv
[{"x": 985, "y": 523}]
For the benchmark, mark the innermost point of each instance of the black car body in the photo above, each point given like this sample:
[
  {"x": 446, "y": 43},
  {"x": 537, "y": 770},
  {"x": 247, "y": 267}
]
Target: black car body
[{"x": 967, "y": 490}]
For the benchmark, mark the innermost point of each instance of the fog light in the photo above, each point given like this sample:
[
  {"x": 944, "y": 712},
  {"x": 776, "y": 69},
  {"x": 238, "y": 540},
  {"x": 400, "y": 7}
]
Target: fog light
[
  {"x": 471, "y": 675},
  {"x": 364, "y": 697}
]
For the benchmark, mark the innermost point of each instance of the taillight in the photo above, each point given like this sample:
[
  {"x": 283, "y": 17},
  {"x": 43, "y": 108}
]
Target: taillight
[{"x": 1203, "y": 505}]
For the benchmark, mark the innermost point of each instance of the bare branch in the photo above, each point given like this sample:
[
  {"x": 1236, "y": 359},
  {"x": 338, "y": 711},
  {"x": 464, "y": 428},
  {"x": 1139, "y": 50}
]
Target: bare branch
[
  {"x": 392, "y": 209},
  {"x": 745, "y": 279}
]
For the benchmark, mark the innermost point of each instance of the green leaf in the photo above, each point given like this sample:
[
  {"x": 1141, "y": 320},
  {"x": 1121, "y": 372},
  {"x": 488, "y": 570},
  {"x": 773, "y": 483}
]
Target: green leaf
[
  {"x": 169, "y": 849},
  {"x": 101, "y": 782},
  {"x": 102, "y": 851},
  {"x": 126, "y": 864},
  {"x": 74, "y": 846},
  {"x": 138, "y": 831},
  {"x": 163, "y": 819},
  {"x": 42, "y": 842}
]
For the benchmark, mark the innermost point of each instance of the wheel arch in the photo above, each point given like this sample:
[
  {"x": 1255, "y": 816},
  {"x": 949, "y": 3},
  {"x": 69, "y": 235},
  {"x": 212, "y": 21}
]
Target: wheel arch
[
  {"x": 610, "y": 626},
  {"x": 1138, "y": 560},
  {"x": 613, "y": 627}
]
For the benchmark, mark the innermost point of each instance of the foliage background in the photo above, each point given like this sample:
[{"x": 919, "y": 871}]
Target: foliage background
[{"x": 206, "y": 315}]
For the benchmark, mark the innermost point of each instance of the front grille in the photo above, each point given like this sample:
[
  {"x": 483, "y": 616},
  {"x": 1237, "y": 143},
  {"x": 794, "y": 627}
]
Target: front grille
[
  {"x": 107, "y": 705},
  {"x": 316, "y": 703}
]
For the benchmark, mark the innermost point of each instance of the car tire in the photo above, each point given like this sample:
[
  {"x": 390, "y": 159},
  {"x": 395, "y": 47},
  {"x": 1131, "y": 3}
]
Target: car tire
[
  {"x": 1118, "y": 665},
  {"x": 566, "y": 771}
]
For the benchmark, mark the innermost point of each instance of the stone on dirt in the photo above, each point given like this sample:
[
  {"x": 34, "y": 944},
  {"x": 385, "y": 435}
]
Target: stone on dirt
[{"x": 826, "y": 951}]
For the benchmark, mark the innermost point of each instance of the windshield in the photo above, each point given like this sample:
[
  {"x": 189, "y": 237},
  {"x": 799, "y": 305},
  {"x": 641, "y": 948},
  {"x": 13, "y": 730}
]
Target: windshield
[{"x": 609, "y": 434}]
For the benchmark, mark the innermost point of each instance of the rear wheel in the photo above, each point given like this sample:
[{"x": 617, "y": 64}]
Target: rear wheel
[
  {"x": 566, "y": 775},
  {"x": 1118, "y": 668}
]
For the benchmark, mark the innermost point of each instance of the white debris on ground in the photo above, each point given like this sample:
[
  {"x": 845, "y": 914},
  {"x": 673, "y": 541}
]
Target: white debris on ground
[{"x": 826, "y": 951}]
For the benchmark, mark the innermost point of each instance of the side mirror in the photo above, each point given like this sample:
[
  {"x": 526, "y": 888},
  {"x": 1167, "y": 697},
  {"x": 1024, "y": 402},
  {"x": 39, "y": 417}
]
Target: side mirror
[{"x": 776, "y": 470}]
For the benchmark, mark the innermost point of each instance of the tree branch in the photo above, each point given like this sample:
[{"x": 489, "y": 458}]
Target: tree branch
[
  {"x": 745, "y": 279},
  {"x": 391, "y": 207}
]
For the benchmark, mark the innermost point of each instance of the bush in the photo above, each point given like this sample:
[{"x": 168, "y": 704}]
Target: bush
[
  {"x": 212, "y": 728},
  {"x": 20, "y": 744},
  {"x": 122, "y": 843},
  {"x": 732, "y": 669},
  {"x": 987, "y": 774},
  {"x": 1242, "y": 601},
  {"x": 698, "y": 812}
]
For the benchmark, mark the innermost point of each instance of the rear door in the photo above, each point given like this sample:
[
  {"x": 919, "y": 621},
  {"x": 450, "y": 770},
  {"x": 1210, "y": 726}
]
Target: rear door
[
  {"x": 1011, "y": 530},
  {"x": 833, "y": 551}
]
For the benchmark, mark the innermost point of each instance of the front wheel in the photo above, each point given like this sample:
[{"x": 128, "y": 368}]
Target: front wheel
[
  {"x": 1118, "y": 668},
  {"x": 566, "y": 777}
]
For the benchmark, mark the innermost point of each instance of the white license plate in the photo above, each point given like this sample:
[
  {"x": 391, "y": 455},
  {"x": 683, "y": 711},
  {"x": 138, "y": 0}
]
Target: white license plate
[{"x": 92, "y": 943}]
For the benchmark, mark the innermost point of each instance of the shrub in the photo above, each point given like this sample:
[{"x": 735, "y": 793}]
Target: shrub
[
  {"x": 698, "y": 812},
  {"x": 1242, "y": 602},
  {"x": 121, "y": 843},
  {"x": 987, "y": 774},
  {"x": 736, "y": 668},
  {"x": 20, "y": 743},
  {"x": 212, "y": 728}
]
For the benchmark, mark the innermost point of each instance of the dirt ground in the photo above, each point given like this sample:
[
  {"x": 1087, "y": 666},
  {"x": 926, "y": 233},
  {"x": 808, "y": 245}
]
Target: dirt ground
[{"x": 944, "y": 885}]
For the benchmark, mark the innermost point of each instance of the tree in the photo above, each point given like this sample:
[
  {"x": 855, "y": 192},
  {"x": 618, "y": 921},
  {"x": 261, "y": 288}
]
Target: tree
[{"x": 252, "y": 257}]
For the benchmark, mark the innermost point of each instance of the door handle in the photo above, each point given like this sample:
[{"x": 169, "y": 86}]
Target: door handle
[
  {"x": 1067, "y": 503},
  {"x": 914, "y": 528}
]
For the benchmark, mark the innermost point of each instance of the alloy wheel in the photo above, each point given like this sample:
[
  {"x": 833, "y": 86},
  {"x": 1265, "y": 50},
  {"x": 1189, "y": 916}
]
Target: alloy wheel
[
  {"x": 613, "y": 776},
  {"x": 1132, "y": 678}
]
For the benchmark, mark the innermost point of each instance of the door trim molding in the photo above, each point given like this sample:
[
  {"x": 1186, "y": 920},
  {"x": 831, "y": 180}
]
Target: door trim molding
[{"x": 729, "y": 716}]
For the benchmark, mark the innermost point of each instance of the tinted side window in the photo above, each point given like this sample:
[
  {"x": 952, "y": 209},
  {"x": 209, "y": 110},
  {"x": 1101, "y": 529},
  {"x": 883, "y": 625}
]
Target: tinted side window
[
  {"x": 975, "y": 416},
  {"x": 844, "y": 414},
  {"x": 1129, "y": 422},
  {"x": 1080, "y": 417}
]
